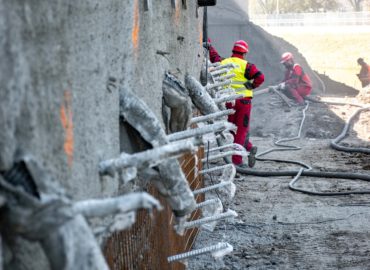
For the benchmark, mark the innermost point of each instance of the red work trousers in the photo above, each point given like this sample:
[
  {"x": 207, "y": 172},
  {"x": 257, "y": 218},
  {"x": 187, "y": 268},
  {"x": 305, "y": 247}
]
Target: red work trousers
[
  {"x": 241, "y": 118},
  {"x": 299, "y": 93}
]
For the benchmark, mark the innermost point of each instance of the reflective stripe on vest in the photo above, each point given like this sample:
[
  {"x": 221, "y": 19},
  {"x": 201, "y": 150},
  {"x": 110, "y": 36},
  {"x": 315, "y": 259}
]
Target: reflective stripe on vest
[{"x": 237, "y": 83}]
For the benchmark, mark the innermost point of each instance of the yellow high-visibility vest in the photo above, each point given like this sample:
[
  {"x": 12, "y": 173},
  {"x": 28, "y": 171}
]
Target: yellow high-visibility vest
[{"x": 239, "y": 80}]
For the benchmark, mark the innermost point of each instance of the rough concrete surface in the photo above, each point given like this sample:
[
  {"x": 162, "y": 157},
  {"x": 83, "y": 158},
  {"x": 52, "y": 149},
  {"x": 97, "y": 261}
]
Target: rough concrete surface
[{"x": 62, "y": 64}]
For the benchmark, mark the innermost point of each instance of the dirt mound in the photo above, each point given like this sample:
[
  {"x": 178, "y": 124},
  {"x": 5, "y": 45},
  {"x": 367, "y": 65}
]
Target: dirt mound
[
  {"x": 337, "y": 88},
  {"x": 268, "y": 49}
]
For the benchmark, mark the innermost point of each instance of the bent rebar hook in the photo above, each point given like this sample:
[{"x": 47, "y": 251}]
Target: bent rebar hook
[
  {"x": 176, "y": 97},
  {"x": 172, "y": 184},
  {"x": 59, "y": 224},
  {"x": 200, "y": 97},
  {"x": 145, "y": 159}
]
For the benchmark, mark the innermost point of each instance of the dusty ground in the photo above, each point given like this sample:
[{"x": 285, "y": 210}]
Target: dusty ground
[{"x": 278, "y": 228}]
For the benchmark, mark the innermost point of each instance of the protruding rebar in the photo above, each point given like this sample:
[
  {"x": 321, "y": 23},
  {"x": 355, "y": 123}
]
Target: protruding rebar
[
  {"x": 224, "y": 77},
  {"x": 211, "y": 116},
  {"x": 213, "y": 128},
  {"x": 228, "y": 175},
  {"x": 210, "y": 249},
  {"x": 214, "y": 65},
  {"x": 196, "y": 223},
  {"x": 147, "y": 158},
  {"x": 228, "y": 66},
  {"x": 218, "y": 72},
  {"x": 222, "y": 74},
  {"x": 210, "y": 188},
  {"x": 227, "y": 98},
  {"x": 225, "y": 91},
  {"x": 218, "y": 84},
  {"x": 208, "y": 202},
  {"x": 234, "y": 146},
  {"x": 218, "y": 168},
  {"x": 115, "y": 205},
  {"x": 225, "y": 154}
]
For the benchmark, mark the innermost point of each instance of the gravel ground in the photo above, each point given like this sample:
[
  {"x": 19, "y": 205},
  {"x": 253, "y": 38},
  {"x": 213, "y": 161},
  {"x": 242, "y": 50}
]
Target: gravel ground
[{"x": 278, "y": 228}]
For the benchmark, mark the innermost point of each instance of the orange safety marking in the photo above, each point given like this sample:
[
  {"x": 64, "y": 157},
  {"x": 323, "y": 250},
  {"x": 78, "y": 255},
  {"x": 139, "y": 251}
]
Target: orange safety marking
[
  {"x": 67, "y": 124},
  {"x": 200, "y": 29},
  {"x": 177, "y": 13},
  {"x": 136, "y": 26}
]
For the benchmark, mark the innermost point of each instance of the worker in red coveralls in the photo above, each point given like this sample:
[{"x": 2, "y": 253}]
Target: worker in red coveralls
[
  {"x": 364, "y": 75},
  {"x": 296, "y": 84},
  {"x": 247, "y": 77}
]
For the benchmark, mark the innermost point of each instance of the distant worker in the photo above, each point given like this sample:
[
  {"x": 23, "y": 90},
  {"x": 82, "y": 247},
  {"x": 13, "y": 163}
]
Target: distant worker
[
  {"x": 296, "y": 84},
  {"x": 364, "y": 75},
  {"x": 247, "y": 77}
]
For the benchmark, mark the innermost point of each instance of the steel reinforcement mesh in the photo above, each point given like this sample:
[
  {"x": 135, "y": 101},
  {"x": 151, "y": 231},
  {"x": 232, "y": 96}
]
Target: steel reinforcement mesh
[{"x": 148, "y": 243}]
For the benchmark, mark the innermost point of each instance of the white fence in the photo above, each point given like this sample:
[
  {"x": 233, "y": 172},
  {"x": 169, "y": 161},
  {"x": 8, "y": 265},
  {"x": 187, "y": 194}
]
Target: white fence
[{"x": 312, "y": 19}]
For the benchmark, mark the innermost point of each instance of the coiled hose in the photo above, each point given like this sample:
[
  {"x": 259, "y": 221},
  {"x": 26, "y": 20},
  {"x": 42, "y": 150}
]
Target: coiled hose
[{"x": 307, "y": 170}]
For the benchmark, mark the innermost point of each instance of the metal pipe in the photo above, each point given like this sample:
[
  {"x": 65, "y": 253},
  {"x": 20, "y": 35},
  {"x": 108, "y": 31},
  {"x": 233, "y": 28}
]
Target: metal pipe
[
  {"x": 228, "y": 98},
  {"x": 260, "y": 92},
  {"x": 211, "y": 116},
  {"x": 201, "y": 251},
  {"x": 213, "y": 128},
  {"x": 283, "y": 97}
]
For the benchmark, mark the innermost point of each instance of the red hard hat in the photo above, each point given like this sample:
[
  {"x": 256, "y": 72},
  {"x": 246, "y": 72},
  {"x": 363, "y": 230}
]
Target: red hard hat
[
  {"x": 285, "y": 57},
  {"x": 241, "y": 46}
]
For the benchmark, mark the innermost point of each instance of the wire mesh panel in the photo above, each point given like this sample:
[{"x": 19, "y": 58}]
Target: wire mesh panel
[{"x": 148, "y": 243}]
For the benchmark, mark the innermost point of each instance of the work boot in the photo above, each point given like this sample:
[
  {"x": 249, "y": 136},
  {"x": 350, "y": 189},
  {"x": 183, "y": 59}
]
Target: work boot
[{"x": 252, "y": 157}]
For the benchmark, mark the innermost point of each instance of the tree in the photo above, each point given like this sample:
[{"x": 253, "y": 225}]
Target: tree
[
  {"x": 293, "y": 6},
  {"x": 356, "y": 4},
  {"x": 268, "y": 6}
]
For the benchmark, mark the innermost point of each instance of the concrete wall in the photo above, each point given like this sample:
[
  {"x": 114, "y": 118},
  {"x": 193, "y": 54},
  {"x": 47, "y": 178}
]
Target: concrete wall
[{"x": 56, "y": 60}]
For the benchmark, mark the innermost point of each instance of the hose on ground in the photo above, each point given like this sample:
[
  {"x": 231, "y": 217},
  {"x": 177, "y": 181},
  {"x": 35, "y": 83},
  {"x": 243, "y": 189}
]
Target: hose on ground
[{"x": 307, "y": 171}]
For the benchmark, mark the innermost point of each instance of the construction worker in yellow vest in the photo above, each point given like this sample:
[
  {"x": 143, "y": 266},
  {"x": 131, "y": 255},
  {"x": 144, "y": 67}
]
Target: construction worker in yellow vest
[{"x": 247, "y": 77}]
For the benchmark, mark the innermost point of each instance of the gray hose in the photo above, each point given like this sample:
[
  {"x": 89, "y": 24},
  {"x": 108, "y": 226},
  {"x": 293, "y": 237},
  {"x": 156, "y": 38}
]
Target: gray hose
[
  {"x": 334, "y": 143},
  {"x": 307, "y": 171}
]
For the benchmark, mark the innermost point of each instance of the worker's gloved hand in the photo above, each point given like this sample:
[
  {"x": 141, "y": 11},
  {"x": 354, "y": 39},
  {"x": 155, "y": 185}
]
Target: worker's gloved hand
[
  {"x": 249, "y": 85},
  {"x": 272, "y": 88},
  {"x": 229, "y": 105},
  {"x": 281, "y": 86},
  {"x": 207, "y": 44}
]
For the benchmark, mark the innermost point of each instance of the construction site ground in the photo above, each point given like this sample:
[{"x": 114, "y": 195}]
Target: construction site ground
[{"x": 278, "y": 228}]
